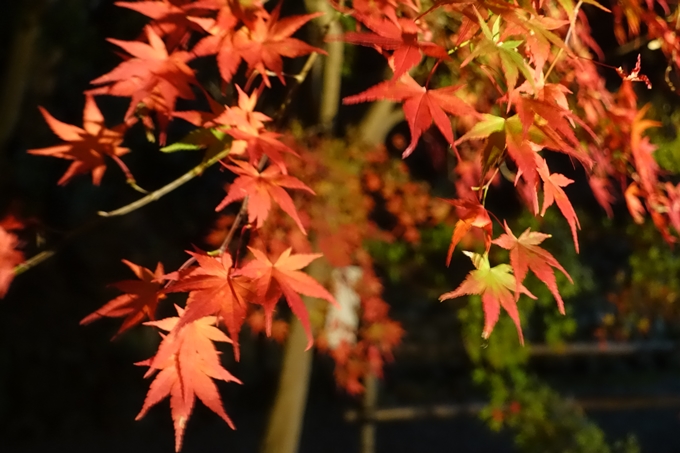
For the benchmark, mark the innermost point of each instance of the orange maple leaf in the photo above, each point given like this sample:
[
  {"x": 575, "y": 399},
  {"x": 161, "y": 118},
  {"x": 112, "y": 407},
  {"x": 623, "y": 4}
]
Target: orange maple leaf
[
  {"x": 262, "y": 42},
  {"x": 525, "y": 254},
  {"x": 422, "y": 106},
  {"x": 139, "y": 301},
  {"x": 553, "y": 193},
  {"x": 246, "y": 125},
  {"x": 214, "y": 290},
  {"x": 495, "y": 286},
  {"x": 188, "y": 361},
  {"x": 261, "y": 188},
  {"x": 283, "y": 278},
  {"x": 88, "y": 146},
  {"x": 219, "y": 42},
  {"x": 152, "y": 77},
  {"x": 471, "y": 213}
]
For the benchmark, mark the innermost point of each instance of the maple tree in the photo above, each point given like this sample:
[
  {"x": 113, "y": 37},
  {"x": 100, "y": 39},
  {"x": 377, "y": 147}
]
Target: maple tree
[{"x": 514, "y": 80}]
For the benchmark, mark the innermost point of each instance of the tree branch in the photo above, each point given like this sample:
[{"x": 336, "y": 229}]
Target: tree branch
[{"x": 155, "y": 195}]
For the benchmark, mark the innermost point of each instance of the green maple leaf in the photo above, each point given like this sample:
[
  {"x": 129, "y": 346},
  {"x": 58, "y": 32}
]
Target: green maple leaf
[{"x": 496, "y": 286}]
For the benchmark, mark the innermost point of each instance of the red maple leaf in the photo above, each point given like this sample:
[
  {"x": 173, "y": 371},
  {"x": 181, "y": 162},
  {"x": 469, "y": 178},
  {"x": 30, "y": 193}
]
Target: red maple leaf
[
  {"x": 551, "y": 104},
  {"x": 495, "y": 285},
  {"x": 214, "y": 290},
  {"x": 400, "y": 36},
  {"x": 525, "y": 254},
  {"x": 471, "y": 213},
  {"x": 283, "y": 278},
  {"x": 421, "y": 106},
  {"x": 139, "y": 301},
  {"x": 262, "y": 42},
  {"x": 523, "y": 152},
  {"x": 641, "y": 148},
  {"x": 86, "y": 147},
  {"x": 261, "y": 188},
  {"x": 10, "y": 257},
  {"x": 188, "y": 362},
  {"x": 150, "y": 72},
  {"x": 552, "y": 192}
]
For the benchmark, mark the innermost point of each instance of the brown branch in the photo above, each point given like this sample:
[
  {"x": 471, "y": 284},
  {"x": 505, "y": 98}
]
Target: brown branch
[
  {"x": 49, "y": 253},
  {"x": 34, "y": 261},
  {"x": 155, "y": 195}
]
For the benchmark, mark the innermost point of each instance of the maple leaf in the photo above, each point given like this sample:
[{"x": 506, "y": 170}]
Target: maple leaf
[
  {"x": 635, "y": 75},
  {"x": 246, "y": 125},
  {"x": 487, "y": 125},
  {"x": 635, "y": 207},
  {"x": 602, "y": 191},
  {"x": 525, "y": 254},
  {"x": 88, "y": 146},
  {"x": 139, "y": 301},
  {"x": 263, "y": 41},
  {"x": 536, "y": 30},
  {"x": 555, "y": 120},
  {"x": 400, "y": 36},
  {"x": 151, "y": 72},
  {"x": 495, "y": 285},
  {"x": 421, "y": 106},
  {"x": 283, "y": 278},
  {"x": 642, "y": 150},
  {"x": 219, "y": 42},
  {"x": 261, "y": 188},
  {"x": 169, "y": 19},
  {"x": 214, "y": 290},
  {"x": 552, "y": 192},
  {"x": 471, "y": 213},
  {"x": 10, "y": 257},
  {"x": 188, "y": 362}
]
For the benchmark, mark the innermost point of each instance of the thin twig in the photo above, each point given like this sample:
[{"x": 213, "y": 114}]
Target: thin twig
[
  {"x": 34, "y": 261},
  {"x": 572, "y": 24},
  {"x": 155, "y": 195},
  {"x": 49, "y": 253}
]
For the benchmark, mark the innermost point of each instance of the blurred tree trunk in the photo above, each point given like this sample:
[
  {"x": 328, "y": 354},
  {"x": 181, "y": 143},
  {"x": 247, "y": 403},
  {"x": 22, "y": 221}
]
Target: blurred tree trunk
[
  {"x": 328, "y": 69},
  {"x": 286, "y": 418},
  {"x": 287, "y": 414}
]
